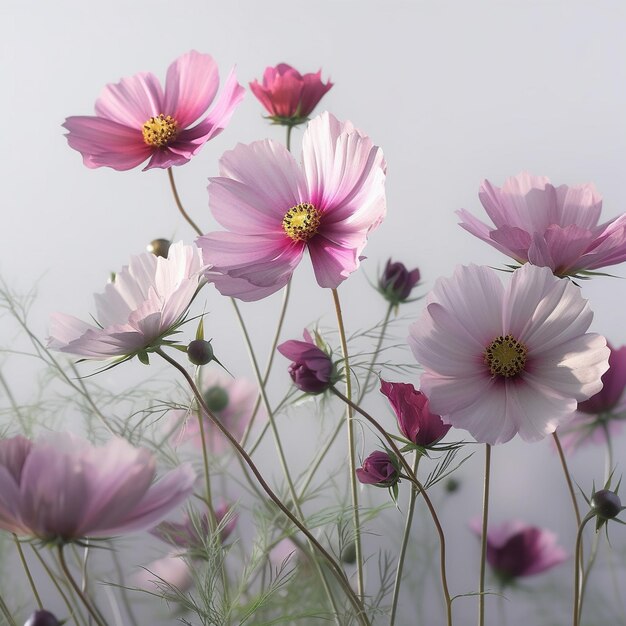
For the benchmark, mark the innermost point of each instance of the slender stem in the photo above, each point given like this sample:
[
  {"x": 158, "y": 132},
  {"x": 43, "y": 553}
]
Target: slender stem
[
  {"x": 405, "y": 542},
  {"x": 31, "y": 582},
  {"x": 568, "y": 478},
  {"x": 5, "y": 611},
  {"x": 288, "y": 140},
  {"x": 125, "y": 601},
  {"x": 77, "y": 588},
  {"x": 334, "y": 566},
  {"x": 577, "y": 567},
  {"x": 179, "y": 204},
  {"x": 26, "y": 429},
  {"x": 483, "y": 538},
  {"x": 413, "y": 478},
  {"x": 381, "y": 338},
  {"x": 351, "y": 447}
]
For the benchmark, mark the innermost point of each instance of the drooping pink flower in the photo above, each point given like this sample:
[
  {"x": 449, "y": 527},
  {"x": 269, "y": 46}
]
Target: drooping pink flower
[
  {"x": 64, "y": 488},
  {"x": 415, "y": 420},
  {"x": 274, "y": 210},
  {"x": 603, "y": 413},
  {"x": 161, "y": 575},
  {"x": 288, "y": 96},
  {"x": 312, "y": 371},
  {"x": 505, "y": 360},
  {"x": 146, "y": 301},
  {"x": 555, "y": 227},
  {"x": 515, "y": 550},
  {"x": 136, "y": 119},
  {"x": 378, "y": 469}
]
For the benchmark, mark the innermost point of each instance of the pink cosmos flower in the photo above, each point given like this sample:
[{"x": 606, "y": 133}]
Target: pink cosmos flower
[
  {"x": 136, "y": 119},
  {"x": 504, "y": 360},
  {"x": 555, "y": 227},
  {"x": 64, "y": 488},
  {"x": 146, "y": 301},
  {"x": 274, "y": 209},
  {"x": 515, "y": 549},
  {"x": 603, "y": 413},
  {"x": 415, "y": 420},
  {"x": 288, "y": 95},
  {"x": 171, "y": 571}
]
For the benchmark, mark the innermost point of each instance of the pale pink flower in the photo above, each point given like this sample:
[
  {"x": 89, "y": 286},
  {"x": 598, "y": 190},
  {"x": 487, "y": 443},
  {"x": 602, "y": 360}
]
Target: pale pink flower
[
  {"x": 136, "y": 119},
  {"x": 144, "y": 303},
  {"x": 64, "y": 488},
  {"x": 555, "y": 227},
  {"x": 288, "y": 96},
  {"x": 504, "y": 360},
  {"x": 171, "y": 571},
  {"x": 274, "y": 209}
]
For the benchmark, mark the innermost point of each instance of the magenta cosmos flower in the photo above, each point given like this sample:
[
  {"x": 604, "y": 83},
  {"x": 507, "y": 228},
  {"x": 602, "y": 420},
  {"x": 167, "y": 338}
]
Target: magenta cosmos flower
[
  {"x": 288, "y": 96},
  {"x": 274, "y": 209},
  {"x": 415, "y": 420},
  {"x": 515, "y": 549},
  {"x": 602, "y": 414},
  {"x": 504, "y": 360},
  {"x": 63, "y": 489},
  {"x": 146, "y": 302},
  {"x": 136, "y": 119},
  {"x": 555, "y": 227}
]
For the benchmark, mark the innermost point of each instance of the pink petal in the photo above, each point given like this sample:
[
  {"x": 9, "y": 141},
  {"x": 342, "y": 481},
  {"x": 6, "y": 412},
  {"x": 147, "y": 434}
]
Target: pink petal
[
  {"x": 166, "y": 157},
  {"x": 332, "y": 264},
  {"x": 579, "y": 205}
]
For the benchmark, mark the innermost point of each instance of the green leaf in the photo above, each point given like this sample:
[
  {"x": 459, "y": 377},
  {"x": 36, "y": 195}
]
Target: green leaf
[
  {"x": 143, "y": 357},
  {"x": 200, "y": 331}
]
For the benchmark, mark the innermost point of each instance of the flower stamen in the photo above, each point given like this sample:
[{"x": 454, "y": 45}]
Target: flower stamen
[
  {"x": 505, "y": 356},
  {"x": 301, "y": 221},
  {"x": 159, "y": 131}
]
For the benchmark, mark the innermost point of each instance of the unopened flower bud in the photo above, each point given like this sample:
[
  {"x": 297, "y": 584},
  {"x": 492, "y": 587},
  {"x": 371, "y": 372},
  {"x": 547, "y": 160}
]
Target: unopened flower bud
[
  {"x": 348, "y": 554},
  {"x": 397, "y": 282},
  {"x": 159, "y": 247},
  {"x": 200, "y": 352},
  {"x": 216, "y": 398},
  {"x": 452, "y": 485},
  {"x": 42, "y": 618},
  {"x": 378, "y": 469},
  {"x": 606, "y": 504}
]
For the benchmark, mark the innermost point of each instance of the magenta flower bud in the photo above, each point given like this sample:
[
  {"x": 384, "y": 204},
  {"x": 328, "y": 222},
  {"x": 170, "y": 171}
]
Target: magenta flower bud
[
  {"x": 288, "y": 96},
  {"x": 42, "y": 618},
  {"x": 415, "y": 420},
  {"x": 378, "y": 469},
  {"x": 397, "y": 282},
  {"x": 606, "y": 504},
  {"x": 200, "y": 352},
  {"x": 312, "y": 370}
]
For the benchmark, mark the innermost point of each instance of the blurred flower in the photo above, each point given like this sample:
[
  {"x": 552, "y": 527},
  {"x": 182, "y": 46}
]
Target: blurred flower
[
  {"x": 378, "y": 469},
  {"x": 274, "y": 209},
  {"x": 63, "y": 488},
  {"x": 191, "y": 533},
  {"x": 397, "y": 282},
  {"x": 312, "y": 370},
  {"x": 135, "y": 119},
  {"x": 42, "y": 618},
  {"x": 231, "y": 400},
  {"x": 288, "y": 96},
  {"x": 602, "y": 414},
  {"x": 555, "y": 227},
  {"x": 162, "y": 574},
  {"x": 515, "y": 549},
  {"x": 415, "y": 420},
  {"x": 144, "y": 304},
  {"x": 159, "y": 247},
  {"x": 500, "y": 361},
  {"x": 283, "y": 553}
]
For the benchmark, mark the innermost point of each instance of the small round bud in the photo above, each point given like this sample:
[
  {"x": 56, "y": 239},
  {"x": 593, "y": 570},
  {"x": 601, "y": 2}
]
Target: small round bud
[
  {"x": 200, "y": 352},
  {"x": 216, "y": 398},
  {"x": 452, "y": 485},
  {"x": 348, "y": 554},
  {"x": 159, "y": 247},
  {"x": 606, "y": 504},
  {"x": 42, "y": 618}
]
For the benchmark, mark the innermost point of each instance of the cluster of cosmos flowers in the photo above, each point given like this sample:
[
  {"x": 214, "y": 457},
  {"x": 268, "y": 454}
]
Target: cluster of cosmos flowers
[{"x": 502, "y": 354}]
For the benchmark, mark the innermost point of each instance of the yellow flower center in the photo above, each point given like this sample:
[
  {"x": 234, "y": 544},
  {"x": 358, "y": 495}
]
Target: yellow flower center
[
  {"x": 160, "y": 130},
  {"x": 505, "y": 356},
  {"x": 301, "y": 222}
]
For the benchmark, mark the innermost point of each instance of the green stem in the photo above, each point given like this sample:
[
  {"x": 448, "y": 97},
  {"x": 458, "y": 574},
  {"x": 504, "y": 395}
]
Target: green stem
[
  {"x": 333, "y": 565},
  {"x": 577, "y": 567},
  {"x": 124, "y": 592},
  {"x": 31, "y": 582},
  {"x": 413, "y": 478},
  {"x": 179, "y": 204},
  {"x": 405, "y": 542},
  {"x": 90, "y": 608},
  {"x": 288, "y": 140},
  {"x": 483, "y": 538},
  {"x": 5, "y": 611},
  {"x": 381, "y": 338}
]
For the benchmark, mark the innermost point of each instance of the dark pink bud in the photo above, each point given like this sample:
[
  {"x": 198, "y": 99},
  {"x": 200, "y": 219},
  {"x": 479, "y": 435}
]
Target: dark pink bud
[
  {"x": 288, "y": 96},
  {"x": 312, "y": 370},
  {"x": 42, "y": 618},
  {"x": 606, "y": 504},
  {"x": 378, "y": 469},
  {"x": 200, "y": 352},
  {"x": 397, "y": 282},
  {"x": 415, "y": 420}
]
